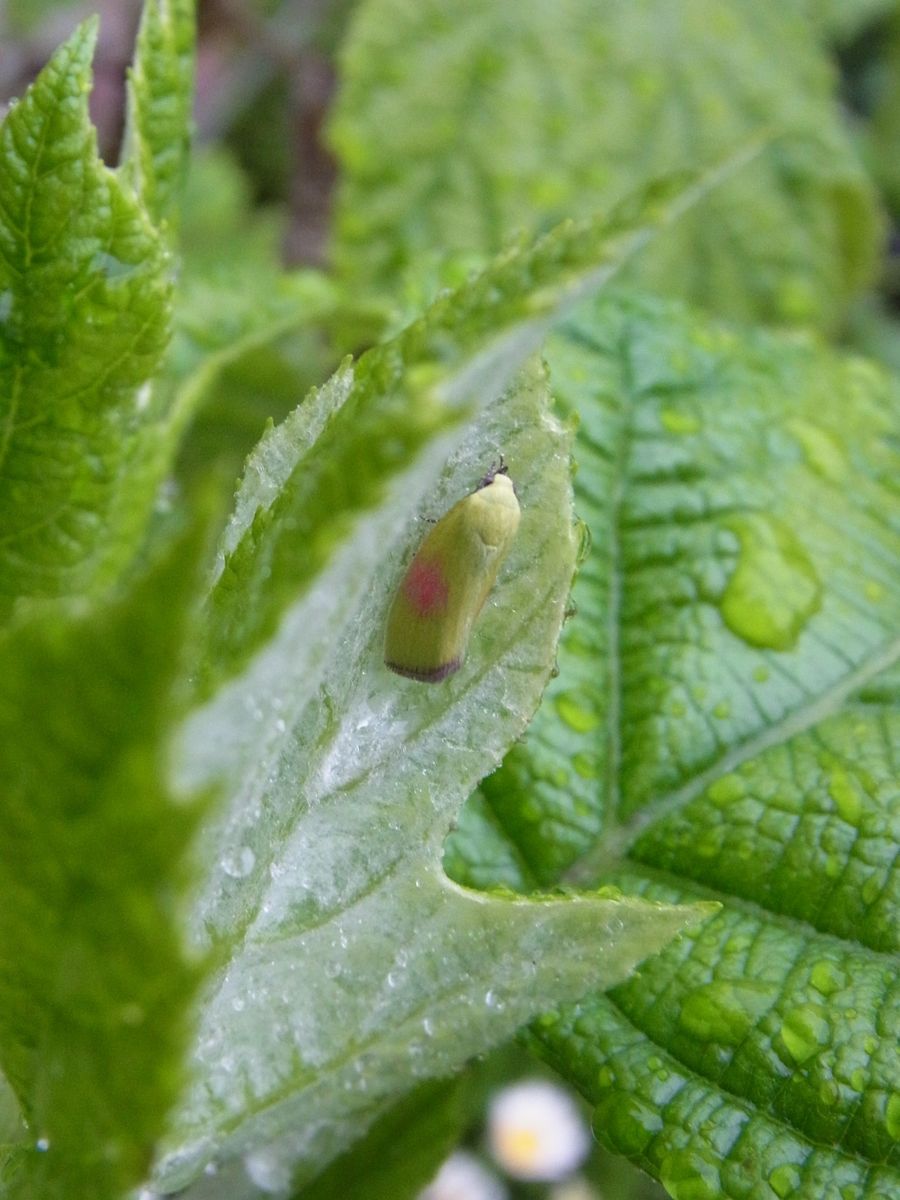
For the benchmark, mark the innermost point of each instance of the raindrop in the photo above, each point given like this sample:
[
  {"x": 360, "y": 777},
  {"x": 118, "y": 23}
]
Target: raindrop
[
  {"x": 773, "y": 589},
  {"x": 240, "y": 864}
]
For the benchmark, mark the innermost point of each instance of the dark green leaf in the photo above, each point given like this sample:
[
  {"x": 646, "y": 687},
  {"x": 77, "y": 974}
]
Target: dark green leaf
[
  {"x": 403, "y": 1149},
  {"x": 725, "y": 726},
  {"x": 97, "y": 985}
]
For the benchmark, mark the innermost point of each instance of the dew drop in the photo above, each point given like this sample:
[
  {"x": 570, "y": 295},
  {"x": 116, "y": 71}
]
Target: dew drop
[
  {"x": 804, "y": 1031},
  {"x": 774, "y": 588},
  {"x": 785, "y": 1180},
  {"x": 827, "y": 978},
  {"x": 846, "y": 798},
  {"x": 239, "y": 864},
  {"x": 269, "y": 1172},
  {"x": 726, "y": 791},
  {"x": 686, "y": 1175},
  {"x": 626, "y": 1121},
  {"x": 724, "y": 1011}
]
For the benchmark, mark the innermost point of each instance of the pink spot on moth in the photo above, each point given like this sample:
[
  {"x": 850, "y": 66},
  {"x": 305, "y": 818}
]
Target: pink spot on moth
[{"x": 426, "y": 588}]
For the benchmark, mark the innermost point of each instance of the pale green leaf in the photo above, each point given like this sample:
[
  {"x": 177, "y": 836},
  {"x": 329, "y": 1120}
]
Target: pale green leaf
[{"x": 352, "y": 967}]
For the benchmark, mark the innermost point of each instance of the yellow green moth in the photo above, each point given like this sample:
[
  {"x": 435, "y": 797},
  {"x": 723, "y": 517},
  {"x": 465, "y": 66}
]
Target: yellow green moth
[{"x": 448, "y": 581}]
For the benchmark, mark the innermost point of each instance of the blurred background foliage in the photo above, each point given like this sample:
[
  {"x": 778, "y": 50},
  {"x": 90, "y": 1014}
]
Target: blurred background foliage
[
  {"x": 267, "y": 76},
  {"x": 266, "y": 82},
  {"x": 267, "y": 178}
]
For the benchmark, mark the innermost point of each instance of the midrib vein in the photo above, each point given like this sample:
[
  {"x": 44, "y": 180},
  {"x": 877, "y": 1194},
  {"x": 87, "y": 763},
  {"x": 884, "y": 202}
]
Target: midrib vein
[
  {"x": 619, "y": 840},
  {"x": 619, "y": 459}
]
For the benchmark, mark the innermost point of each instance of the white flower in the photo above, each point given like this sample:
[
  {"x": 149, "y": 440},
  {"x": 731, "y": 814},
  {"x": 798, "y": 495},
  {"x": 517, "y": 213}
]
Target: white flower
[
  {"x": 536, "y": 1131},
  {"x": 464, "y": 1177},
  {"x": 574, "y": 1189}
]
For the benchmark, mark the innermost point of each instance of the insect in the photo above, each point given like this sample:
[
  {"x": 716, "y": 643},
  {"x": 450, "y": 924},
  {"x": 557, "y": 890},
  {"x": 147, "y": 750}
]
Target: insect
[{"x": 448, "y": 581}]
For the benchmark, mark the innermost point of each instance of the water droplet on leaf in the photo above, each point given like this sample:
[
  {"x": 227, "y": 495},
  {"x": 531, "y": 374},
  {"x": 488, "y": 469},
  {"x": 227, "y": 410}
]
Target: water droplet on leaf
[{"x": 774, "y": 588}]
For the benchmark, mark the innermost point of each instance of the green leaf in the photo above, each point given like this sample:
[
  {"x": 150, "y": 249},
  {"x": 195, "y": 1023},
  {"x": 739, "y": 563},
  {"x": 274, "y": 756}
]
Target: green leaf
[
  {"x": 883, "y": 135},
  {"x": 352, "y": 967},
  {"x": 97, "y": 986},
  {"x": 12, "y": 1128},
  {"x": 160, "y": 95},
  {"x": 772, "y": 1062},
  {"x": 724, "y": 725},
  {"x": 455, "y": 131},
  {"x": 218, "y": 216},
  {"x": 84, "y": 307},
  {"x": 404, "y": 1149},
  {"x": 247, "y": 336},
  {"x": 241, "y": 355}
]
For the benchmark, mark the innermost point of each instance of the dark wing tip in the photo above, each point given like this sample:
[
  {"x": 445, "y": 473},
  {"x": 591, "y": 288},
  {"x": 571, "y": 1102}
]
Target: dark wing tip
[{"x": 435, "y": 675}]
